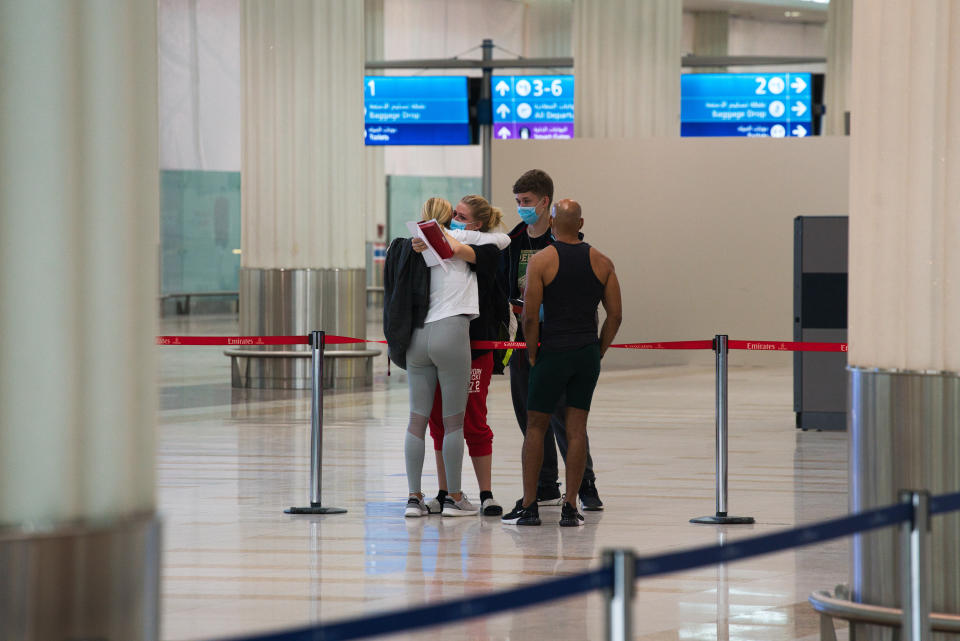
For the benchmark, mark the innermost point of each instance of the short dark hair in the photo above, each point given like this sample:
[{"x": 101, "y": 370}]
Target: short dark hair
[{"x": 536, "y": 181}]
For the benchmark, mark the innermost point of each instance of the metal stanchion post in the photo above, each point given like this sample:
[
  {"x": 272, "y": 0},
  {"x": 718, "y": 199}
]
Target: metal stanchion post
[
  {"x": 486, "y": 120},
  {"x": 720, "y": 348},
  {"x": 619, "y": 597},
  {"x": 316, "y": 433},
  {"x": 915, "y": 568}
]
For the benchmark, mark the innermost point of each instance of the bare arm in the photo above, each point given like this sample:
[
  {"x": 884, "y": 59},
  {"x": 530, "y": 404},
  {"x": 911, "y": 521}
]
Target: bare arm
[
  {"x": 613, "y": 305},
  {"x": 461, "y": 251},
  {"x": 532, "y": 298}
]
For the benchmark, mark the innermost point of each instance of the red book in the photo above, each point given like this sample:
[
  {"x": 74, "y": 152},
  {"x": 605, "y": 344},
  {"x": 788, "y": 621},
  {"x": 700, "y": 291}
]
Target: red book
[{"x": 434, "y": 235}]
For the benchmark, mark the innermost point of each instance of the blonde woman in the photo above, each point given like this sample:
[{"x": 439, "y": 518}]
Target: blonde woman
[
  {"x": 439, "y": 351},
  {"x": 474, "y": 212}
]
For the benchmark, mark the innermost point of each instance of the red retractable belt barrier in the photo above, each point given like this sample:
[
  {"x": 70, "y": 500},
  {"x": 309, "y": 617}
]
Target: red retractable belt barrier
[
  {"x": 707, "y": 344},
  {"x": 782, "y": 346},
  {"x": 241, "y": 341},
  {"x": 244, "y": 341}
]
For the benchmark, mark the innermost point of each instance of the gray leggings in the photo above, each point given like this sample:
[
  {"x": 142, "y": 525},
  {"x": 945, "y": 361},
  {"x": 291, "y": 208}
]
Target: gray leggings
[{"x": 438, "y": 351}]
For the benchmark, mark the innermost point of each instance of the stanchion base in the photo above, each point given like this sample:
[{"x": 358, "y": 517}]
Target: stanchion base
[
  {"x": 315, "y": 509},
  {"x": 723, "y": 519}
]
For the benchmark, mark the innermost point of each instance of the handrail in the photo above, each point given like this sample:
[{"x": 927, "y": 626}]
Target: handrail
[{"x": 827, "y": 604}]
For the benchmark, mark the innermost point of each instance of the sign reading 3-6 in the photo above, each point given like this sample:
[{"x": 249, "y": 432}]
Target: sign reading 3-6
[
  {"x": 538, "y": 86},
  {"x": 532, "y": 107}
]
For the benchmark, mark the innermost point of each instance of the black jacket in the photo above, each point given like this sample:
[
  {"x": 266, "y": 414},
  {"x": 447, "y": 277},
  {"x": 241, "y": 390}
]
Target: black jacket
[
  {"x": 406, "y": 297},
  {"x": 494, "y": 321}
]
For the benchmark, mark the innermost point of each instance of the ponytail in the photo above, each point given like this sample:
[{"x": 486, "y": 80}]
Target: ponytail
[{"x": 489, "y": 217}]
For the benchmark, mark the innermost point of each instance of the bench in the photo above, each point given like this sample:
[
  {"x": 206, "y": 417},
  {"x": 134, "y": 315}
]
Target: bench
[
  {"x": 244, "y": 374},
  {"x": 186, "y": 296}
]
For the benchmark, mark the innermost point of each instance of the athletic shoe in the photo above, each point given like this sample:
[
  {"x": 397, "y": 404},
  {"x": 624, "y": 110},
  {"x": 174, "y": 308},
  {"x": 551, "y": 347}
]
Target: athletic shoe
[
  {"x": 434, "y": 506},
  {"x": 463, "y": 507},
  {"x": 589, "y": 498},
  {"x": 522, "y": 515},
  {"x": 549, "y": 496},
  {"x": 490, "y": 507},
  {"x": 415, "y": 508},
  {"x": 569, "y": 517}
]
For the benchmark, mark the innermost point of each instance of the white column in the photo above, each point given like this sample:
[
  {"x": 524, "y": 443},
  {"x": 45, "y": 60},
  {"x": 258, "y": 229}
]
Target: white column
[
  {"x": 627, "y": 60},
  {"x": 79, "y": 201},
  {"x": 904, "y": 301},
  {"x": 836, "y": 91},
  {"x": 302, "y": 158},
  {"x": 304, "y": 197},
  {"x": 905, "y": 186},
  {"x": 78, "y": 258},
  {"x": 375, "y": 186}
]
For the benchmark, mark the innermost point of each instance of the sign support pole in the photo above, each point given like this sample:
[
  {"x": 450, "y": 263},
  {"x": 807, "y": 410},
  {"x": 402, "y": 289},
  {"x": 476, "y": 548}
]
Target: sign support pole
[{"x": 486, "y": 119}]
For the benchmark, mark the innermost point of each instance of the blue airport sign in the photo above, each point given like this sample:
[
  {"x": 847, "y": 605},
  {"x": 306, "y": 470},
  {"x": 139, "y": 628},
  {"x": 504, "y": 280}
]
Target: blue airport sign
[
  {"x": 416, "y": 110},
  {"x": 536, "y": 107},
  {"x": 746, "y": 104}
]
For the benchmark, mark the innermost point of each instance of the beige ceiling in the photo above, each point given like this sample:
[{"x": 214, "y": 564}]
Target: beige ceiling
[{"x": 808, "y": 10}]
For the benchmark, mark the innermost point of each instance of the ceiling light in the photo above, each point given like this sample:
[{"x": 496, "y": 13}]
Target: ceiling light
[{"x": 791, "y": 14}]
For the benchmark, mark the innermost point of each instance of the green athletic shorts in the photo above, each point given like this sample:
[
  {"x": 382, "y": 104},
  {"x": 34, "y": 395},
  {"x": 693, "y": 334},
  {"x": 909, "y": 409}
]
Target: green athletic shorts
[{"x": 572, "y": 372}]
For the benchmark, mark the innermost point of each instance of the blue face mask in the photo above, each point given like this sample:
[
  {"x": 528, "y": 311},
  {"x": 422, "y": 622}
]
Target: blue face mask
[
  {"x": 456, "y": 224},
  {"x": 528, "y": 214}
]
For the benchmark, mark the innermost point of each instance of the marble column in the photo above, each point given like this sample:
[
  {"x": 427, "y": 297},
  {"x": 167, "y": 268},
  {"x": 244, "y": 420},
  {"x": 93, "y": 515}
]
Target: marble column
[
  {"x": 303, "y": 193},
  {"x": 836, "y": 91},
  {"x": 711, "y": 36},
  {"x": 79, "y": 200},
  {"x": 627, "y": 56},
  {"x": 904, "y": 302},
  {"x": 375, "y": 182}
]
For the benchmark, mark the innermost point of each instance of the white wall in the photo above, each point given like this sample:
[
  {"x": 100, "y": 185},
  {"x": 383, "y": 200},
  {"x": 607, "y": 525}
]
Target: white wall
[
  {"x": 764, "y": 38},
  {"x": 700, "y": 229},
  {"x": 199, "y": 84}
]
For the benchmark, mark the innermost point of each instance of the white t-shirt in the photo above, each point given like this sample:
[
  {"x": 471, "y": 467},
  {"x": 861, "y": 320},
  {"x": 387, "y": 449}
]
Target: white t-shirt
[{"x": 454, "y": 291}]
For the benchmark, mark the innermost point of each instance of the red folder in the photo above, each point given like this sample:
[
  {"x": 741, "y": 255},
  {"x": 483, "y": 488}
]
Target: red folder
[{"x": 434, "y": 235}]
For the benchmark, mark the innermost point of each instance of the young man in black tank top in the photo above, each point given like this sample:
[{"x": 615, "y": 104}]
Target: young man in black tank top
[
  {"x": 570, "y": 279},
  {"x": 534, "y": 194}
]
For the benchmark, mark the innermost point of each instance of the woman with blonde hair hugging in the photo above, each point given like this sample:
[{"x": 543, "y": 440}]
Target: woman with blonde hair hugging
[
  {"x": 438, "y": 349},
  {"x": 474, "y": 212}
]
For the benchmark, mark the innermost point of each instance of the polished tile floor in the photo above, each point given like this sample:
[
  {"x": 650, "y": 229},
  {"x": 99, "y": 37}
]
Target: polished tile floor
[{"x": 234, "y": 564}]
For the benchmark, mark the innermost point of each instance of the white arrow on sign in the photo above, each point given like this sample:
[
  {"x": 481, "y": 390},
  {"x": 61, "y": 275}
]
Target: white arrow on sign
[
  {"x": 502, "y": 88},
  {"x": 800, "y": 131},
  {"x": 799, "y": 109},
  {"x": 503, "y": 110},
  {"x": 798, "y": 85},
  {"x": 503, "y": 133}
]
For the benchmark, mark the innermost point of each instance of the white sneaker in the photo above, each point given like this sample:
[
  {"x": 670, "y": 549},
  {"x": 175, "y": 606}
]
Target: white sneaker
[
  {"x": 434, "y": 506},
  {"x": 463, "y": 507},
  {"x": 490, "y": 507},
  {"x": 415, "y": 508}
]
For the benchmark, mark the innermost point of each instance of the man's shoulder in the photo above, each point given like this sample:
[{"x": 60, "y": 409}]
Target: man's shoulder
[
  {"x": 601, "y": 262},
  {"x": 516, "y": 231},
  {"x": 547, "y": 254}
]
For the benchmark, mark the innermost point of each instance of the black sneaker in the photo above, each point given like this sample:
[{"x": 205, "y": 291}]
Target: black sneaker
[
  {"x": 589, "y": 499},
  {"x": 550, "y": 495},
  {"x": 522, "y": 515},
  {"x": 569, "y": 517}
]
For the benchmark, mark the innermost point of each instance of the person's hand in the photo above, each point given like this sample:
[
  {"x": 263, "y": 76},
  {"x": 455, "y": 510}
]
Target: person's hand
[
  {"x": 533, "y": 359},
  {"x": 418, "y": 245}
]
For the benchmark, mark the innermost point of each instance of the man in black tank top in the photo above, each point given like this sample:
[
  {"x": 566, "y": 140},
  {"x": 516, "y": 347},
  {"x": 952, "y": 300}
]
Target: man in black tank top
[{"x": 570, "y": 279}]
